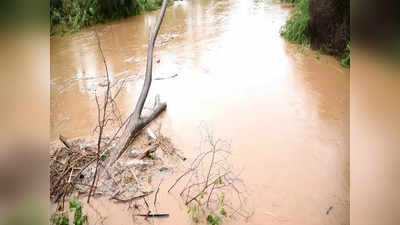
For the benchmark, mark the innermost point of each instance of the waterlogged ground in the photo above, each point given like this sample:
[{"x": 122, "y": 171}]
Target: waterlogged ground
[{"x": 284, "y": 110}]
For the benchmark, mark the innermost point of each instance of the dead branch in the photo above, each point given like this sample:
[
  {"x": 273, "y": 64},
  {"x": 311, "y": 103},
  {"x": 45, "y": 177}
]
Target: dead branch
[
  {"x": 158, "y": 189},
  {"x": 136, "y": 122}
]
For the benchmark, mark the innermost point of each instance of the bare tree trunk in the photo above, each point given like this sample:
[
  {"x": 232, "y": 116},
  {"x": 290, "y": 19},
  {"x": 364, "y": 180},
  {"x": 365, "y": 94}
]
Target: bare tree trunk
[{"x": 136, "y": 122}]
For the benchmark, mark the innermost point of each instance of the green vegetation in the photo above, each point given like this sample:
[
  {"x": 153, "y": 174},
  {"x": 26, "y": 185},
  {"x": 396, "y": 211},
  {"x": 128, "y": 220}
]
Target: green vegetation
[
  {"x": 345, "y": 62},
  {"x": 61, "y": 220},
  {"x": 212, "y": 218},
  {"x": 296, "y": 27},
  {"x": 148, "y": 5},
  {"x": 72, "y": 15},
  {"x": 79, "y": 218}
]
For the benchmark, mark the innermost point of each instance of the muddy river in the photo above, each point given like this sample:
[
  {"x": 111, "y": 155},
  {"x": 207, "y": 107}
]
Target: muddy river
[{"x": 284, "y": 109}]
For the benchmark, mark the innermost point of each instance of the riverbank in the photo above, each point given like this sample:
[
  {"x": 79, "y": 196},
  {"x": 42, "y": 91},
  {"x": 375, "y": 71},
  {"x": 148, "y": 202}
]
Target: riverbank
[
  {"x": 321, "y": 25},
  {"x": 68, "y": 16}
]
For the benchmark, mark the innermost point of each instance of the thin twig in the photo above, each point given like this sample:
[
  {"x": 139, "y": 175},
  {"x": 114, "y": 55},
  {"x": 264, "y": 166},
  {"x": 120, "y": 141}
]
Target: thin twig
[{"x": 158, "y": 189}]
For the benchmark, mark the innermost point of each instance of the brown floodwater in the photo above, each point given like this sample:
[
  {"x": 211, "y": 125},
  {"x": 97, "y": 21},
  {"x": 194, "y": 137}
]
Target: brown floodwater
[{"x": 284, "y": 109}]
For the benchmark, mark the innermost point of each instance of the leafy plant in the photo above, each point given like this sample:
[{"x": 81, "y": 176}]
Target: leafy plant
[
  {"x": 213, "y": 219},
  {"x": 223, "y": 212},
  {"x": 79, "y": 219},
  {"x": 61, "y": 220}
]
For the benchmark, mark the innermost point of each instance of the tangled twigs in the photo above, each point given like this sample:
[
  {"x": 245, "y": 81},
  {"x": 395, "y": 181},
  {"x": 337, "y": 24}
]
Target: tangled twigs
[
  {"x": 210, "y": 184},
  {"x": 66, "y": 166}
]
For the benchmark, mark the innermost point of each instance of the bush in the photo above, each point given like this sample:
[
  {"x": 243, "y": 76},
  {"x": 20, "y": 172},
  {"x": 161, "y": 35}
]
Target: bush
[
  {"x": 72, "y": 15},
  {"x": 148, "y": 5},
  {"x": 296, "y": 28}
]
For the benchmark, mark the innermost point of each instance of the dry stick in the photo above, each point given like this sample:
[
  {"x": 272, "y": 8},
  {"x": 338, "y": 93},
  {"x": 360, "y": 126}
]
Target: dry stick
[
  {"x": 94, "y": 180},
  {"x": 136, "y": 123},
  {"x": 102, "y": 123},
  {"x": 209, "y": 196},
  {"x": 154, "y": 215},
  {"x": 179, "y": 178},
  {"x": 133, "y": 198},
  {"x": 211, "y": 164},
  {"x": 158, "y": 189},
  {"x": 65, "y": 141}
]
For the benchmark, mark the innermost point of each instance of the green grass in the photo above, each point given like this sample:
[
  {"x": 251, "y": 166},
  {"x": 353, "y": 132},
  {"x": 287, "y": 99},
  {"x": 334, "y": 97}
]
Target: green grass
[{"x": 296, "y": 27}]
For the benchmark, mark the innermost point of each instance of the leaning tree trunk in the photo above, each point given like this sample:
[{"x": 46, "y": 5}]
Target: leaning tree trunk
[{"x": 135, "y": 121}]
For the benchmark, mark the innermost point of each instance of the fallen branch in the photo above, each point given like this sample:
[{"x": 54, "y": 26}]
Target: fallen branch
[
  {"x": 131, "y": 199},
  {"x": 154, "y": 215},
  {"x": 136, "y": 122}
]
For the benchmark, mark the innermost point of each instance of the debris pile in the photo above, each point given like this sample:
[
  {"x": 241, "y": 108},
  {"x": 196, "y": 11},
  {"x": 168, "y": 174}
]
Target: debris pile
[{"x": 73, "y": 163}]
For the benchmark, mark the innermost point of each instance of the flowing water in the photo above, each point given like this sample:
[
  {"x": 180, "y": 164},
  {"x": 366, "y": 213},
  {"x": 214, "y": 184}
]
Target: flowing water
[{"x": 284, "y": 110}]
